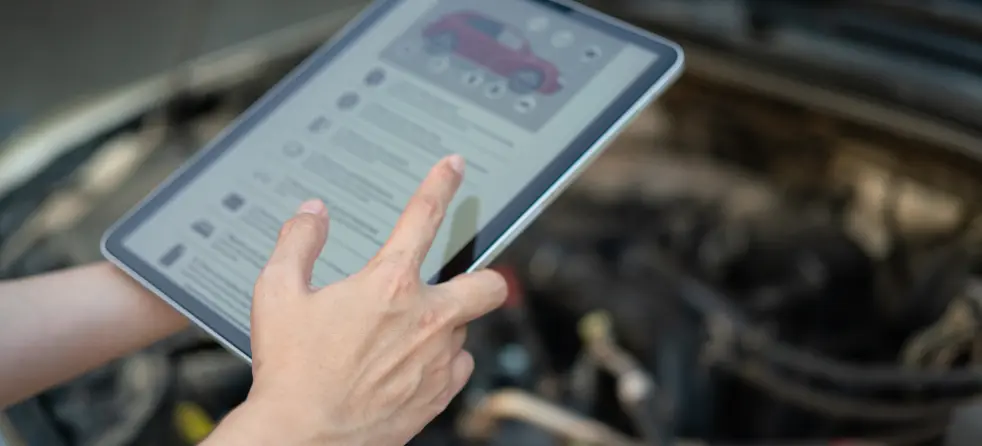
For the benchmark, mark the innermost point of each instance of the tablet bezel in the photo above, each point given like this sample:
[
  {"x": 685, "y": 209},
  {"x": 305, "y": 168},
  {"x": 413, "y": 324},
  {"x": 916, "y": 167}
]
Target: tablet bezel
[{"x": 491, "y": 239}]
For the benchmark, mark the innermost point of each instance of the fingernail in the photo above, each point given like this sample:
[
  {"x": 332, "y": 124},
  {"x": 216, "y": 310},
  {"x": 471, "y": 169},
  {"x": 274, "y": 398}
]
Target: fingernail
[
  {"x": 315, "y": 207},
  {"x": 457, "y": 163}
]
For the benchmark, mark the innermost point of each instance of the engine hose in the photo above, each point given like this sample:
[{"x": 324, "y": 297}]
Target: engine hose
[
  {"x": 967, "y": 380},
  {"x": 804, "y": 397},
  {"x": 481, "y": 421},
  {"x": 715, "y": 307},
  {"x": 637, "y": 391}
]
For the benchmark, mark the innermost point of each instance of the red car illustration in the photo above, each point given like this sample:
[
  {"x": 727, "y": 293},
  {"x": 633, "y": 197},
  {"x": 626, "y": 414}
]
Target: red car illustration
[{"x": 496, "y": 46}]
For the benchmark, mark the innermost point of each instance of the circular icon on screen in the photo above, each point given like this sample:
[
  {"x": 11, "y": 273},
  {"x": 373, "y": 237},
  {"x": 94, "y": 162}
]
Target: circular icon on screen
[
  {"x": 591, "y": 53},
  {"x": 438, "y": 64},
  {"x": 473, "y": 78},
  {"x": 319, "y": 124},
  {"x": 562, "y": 39},
  {"x": 525, "y": 104},
  {"x": 495, "y": 90},
  {"x": 538, "y": 24},
  {"x": 375, "y": 77},
  {"x": 348, "y": 101}
]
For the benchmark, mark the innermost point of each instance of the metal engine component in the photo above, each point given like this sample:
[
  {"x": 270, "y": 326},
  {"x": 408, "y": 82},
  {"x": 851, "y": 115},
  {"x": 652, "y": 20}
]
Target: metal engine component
[{"x": 481, "y": 422}]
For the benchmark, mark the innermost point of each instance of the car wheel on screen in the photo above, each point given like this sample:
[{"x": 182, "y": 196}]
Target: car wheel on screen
[
  {"x": 525, "y": 81},
  {"x": 442, "y": 43}
]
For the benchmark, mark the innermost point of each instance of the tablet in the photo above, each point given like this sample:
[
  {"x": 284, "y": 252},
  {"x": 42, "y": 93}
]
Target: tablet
[{"x": 528, "y": 91}]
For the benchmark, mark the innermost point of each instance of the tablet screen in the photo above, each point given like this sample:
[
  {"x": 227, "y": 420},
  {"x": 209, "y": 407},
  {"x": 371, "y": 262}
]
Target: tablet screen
[{"x": 508, "y": 84}]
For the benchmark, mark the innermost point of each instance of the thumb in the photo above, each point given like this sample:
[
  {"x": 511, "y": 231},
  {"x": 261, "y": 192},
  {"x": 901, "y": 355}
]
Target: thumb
[
  {"x": 470, "y": 296},
  {"x": 300, "y": 243}
]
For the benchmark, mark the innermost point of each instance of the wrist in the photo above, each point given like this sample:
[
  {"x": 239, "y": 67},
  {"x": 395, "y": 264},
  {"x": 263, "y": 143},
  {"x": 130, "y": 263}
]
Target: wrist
[{"x": 260, "y": 423}]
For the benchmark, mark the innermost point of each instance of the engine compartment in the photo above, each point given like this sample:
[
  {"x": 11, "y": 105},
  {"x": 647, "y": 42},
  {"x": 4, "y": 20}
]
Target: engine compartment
[
  {"x": 737, "y": 269},
  {"x": 766, "y": 283}
]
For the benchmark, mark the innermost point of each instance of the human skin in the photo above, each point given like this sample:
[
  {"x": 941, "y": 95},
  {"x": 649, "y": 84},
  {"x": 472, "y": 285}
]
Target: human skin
[
  {"x": 57, "y": 326},
  {"x": 369, "y": 360},
  {"x": 366, "y": 361}
]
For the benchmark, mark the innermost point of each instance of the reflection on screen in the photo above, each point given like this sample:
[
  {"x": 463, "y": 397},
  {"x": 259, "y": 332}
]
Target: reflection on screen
[{"x": 507, "y": 84}]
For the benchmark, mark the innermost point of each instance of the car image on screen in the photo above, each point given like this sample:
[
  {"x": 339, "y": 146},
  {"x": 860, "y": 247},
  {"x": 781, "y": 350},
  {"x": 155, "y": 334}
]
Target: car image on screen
[{"x": 496, "y": 46}]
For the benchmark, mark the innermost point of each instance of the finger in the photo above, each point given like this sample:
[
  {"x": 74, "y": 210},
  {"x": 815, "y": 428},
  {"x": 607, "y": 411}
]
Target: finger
[
  {"x": 458, "y": 339},
  {"x": 300, "y": 243},
  {"x": 473, "y": 295},
  {"x": 461, "y": 369},
  {"x": 413, "y": 234}
]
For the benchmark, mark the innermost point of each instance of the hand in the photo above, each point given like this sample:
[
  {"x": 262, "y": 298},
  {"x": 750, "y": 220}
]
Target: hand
[{"x": 372, "y": 359}]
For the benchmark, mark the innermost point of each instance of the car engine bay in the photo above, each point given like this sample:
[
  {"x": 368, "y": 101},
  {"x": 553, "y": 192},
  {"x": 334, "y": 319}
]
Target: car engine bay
[{"x": 741, "y": 267}]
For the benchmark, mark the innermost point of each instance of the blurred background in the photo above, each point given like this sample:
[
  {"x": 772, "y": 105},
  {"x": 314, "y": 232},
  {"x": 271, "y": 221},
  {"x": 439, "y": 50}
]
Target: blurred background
[{"x": 784, "y": 250}]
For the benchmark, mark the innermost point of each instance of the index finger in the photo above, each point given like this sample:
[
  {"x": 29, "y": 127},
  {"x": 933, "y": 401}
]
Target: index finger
[{"x": 417, "y": 227}]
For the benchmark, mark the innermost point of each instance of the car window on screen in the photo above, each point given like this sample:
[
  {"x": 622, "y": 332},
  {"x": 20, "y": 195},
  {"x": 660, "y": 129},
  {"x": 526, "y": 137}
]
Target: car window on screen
[
  {"x": 486, "y": 26},
  {"x": 511, "y": 40}
]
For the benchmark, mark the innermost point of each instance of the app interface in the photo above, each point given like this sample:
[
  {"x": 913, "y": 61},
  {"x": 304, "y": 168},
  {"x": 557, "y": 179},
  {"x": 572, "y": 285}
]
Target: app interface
[{"x": 508, "y": 84}]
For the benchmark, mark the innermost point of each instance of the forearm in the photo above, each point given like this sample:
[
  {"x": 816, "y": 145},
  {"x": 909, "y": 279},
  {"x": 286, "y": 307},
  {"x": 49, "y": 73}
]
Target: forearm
[{"x": 57, "y": 326}]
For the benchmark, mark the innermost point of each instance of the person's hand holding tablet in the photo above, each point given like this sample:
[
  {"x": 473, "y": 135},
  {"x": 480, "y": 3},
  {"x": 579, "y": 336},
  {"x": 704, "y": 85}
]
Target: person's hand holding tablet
[
  {"x": 369, "y": 360},
  {"x": 529, "y": 91}
]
